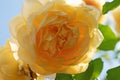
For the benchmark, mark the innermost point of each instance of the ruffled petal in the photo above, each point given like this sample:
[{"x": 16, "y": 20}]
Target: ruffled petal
[
  {"x": 8, "y": 65},
  {"x": 16, "y": 24},
  {"x": 95, "y": 3},
  {"x": 116, "y": 16},
  {"x": 77, "y": 68},
  {"x": 43, "y": 2},
  {"x": 30, "y": 7},
  {"x": 40, "y": 69},
  {"x": 97, "y": 39},
  {"x": 81, "y": 67},
  {"x": 94, "y": 12}
]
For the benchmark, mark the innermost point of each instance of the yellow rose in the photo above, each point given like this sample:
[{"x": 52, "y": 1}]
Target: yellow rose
[
  {"x": 8, "y": 65},
  {"x": 56, "y": 37},
  {"x": 116, "y": 15}
]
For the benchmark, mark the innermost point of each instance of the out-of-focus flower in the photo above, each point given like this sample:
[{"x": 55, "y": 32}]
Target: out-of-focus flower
[
  {"x": 98, "y": 4},
  {"x": 9, "y": 69},
  {"x": 116, "y": 15},
  {"x": 56, "y": 37},
  {"x": 95, "y": 3}
]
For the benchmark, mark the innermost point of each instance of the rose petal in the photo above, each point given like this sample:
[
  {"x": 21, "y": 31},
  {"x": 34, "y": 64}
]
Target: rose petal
[
  {"x": 77, "y": 68},
  {"x": 116, "y": 16},
  {"x": 44, "y": 1},
  {"x": 40, "y": 70},
  {"x": 8, "y": 65},
  {"x": 94, "y": 11},
  {"x": 16, "y": 24},
  {"x": 30, "y": 7},
  {"x": 97, "y": 38}
]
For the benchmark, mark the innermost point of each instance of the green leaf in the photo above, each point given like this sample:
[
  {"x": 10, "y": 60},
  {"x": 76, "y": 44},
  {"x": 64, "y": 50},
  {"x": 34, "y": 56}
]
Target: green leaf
[
  {"x": 110, "y": 6},
  {"x": 62, "y": 76},
  {"x": 110, "y": 38},
  {"x": 93, "y": 71},
  {"x": 113, "y": 74}
]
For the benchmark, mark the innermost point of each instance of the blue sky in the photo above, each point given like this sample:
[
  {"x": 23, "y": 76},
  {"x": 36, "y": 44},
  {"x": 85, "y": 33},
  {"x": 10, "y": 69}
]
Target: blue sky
[{"x": 8, "y": 9}]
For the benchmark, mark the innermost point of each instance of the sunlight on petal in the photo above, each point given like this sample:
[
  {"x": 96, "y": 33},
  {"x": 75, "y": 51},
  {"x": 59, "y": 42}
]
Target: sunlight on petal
[
  {"x": 14, "y": 46},
  {"x": 15, "y": 55},
  {"x": 74, "y": 2}
]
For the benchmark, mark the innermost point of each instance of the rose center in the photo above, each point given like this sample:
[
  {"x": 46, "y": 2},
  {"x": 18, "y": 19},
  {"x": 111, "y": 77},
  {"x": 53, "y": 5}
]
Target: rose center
[{"x": 55, "y": 38}]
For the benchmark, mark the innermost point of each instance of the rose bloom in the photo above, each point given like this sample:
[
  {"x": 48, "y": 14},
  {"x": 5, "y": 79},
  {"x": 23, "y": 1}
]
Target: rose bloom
[
  {"x": 55, "y": 37},
  {"x": 8, "y": 65},
  {"x": 116, "y": 15}
]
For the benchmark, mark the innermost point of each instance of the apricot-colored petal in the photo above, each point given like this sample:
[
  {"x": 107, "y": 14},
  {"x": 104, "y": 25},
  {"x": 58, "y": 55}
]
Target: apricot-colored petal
[
  {"x": 116, "y": 16},
  {"x": 43, "y": 2},
  {"x": 95, "y": 3},
  {"x": 22, "y": 54},
  {"x": 30, "y": 7},
  {"x": 81, "y": 67},
  {"x": 39, "y": 69},
  {"x": 8, "y": 65},
  {"x": 96, "y": 39},
  {"x": 94, "y": 12},
  {"x": 77, "y": 68},
  {"x": 26, "y": 40},
  {"x": 15, "y": 24}
]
